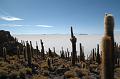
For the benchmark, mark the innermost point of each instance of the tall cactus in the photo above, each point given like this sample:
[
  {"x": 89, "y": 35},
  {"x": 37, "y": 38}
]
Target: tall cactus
[
  {"x": 82, "y": 57},
  {"x": 24, "y": 52},
  {"x": 109, "y": 31},
  {"x": 93, "y": 55},
  {"x": 54, "y": 50},
  {"x": 106, "y": 58},
  {"x": 42, "y": 50},
  {"x": 73, "y": 41},
  {"x": 37, "y": 50},
  {"x": 108, "y": 48},
  {"x": 68, "y": 53},
  {"x": 31, "y": 48},
  {"x": 80, "y": 52},
  {"x": 98, "y": 55},
  {"x": 29, "y": 54}
]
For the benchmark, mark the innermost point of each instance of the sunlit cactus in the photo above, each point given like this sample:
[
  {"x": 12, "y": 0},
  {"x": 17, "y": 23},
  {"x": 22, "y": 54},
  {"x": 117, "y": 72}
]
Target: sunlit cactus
[
  {"x": 4, "y": 53},
  {"x": 106, "y": 58},
  {"x": 108, "y": 48},
  {"x": 109, "y": 31},
  {"x": 68, "y": 53},
  {"x": 49, "y": 63},
  {"x": 73, "y": 41}
]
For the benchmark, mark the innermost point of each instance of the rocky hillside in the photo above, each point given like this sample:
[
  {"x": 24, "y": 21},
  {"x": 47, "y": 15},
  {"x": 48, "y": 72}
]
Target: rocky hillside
[{"x": 8, "y": 41}]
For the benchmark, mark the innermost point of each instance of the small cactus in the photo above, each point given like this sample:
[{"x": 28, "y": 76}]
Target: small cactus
[
  {"x": 50, "y": 53},
  {"x": 4, "y": 53},
  {"x": 18, "y": 52},
  {"x": 68, "y": 53}
]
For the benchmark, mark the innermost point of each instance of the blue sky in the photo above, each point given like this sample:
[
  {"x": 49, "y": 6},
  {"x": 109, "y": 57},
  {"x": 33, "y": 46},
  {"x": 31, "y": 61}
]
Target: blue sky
[{"x": 56, "y": 16}]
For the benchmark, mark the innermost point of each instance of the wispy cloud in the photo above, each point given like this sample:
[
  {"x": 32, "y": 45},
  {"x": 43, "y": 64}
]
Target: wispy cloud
[
  {"x": 10, "y": 18},
  {"x": 10, "y": 25},
  {"x": 47, "y": 26},
  {"x": 22, "y": 25}
]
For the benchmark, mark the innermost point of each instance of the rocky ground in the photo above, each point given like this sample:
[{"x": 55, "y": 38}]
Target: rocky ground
[{"x": 59, "y": 68}]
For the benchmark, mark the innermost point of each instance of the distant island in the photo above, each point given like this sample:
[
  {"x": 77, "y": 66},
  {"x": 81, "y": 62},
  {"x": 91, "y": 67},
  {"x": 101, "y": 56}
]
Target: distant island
[{"x": 83, "y": 34}]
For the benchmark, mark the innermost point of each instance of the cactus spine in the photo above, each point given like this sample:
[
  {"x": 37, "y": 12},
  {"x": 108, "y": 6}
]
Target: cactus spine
[{"x": 73, "y": 41}]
